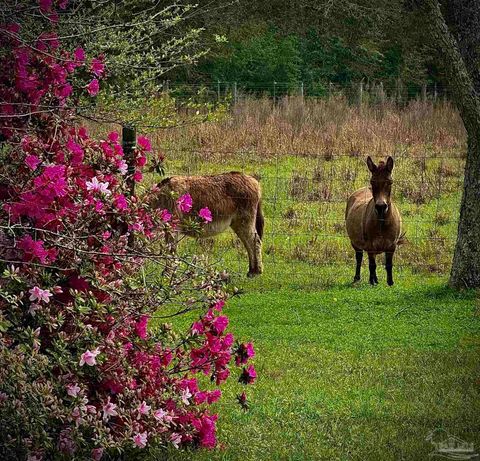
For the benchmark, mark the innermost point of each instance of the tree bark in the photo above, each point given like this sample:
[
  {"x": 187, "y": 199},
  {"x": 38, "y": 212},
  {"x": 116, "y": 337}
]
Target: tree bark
[{"x": 465, "y": 270}]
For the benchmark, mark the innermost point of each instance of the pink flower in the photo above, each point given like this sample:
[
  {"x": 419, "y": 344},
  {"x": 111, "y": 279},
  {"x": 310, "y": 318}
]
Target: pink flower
[
  {"x": 162, "y": 416},
  {"x": 97, "y": 454},
  {"x": 144, "y": 143},
  {"x": 140, "y": 440},
  {"x": 185, "y": 203},
  {"x": 37, "y": 294},
  {"x": 97, "y": 67},
  {"x": 176, "y": 439},
  {"x": 143, "y": 409},
  {"x": 73, "y": 390},
  {"x": 93, "y": 87},
  {"x": 121, "y": 202},
  {"x": 137, "y": 176},
  {"x": 122, "y": 166},
  {"x": 106, "y": 235},
  {"x": 96, "y": 186},
  {"x": 186, "y": 394},
  {"x": 32, "y": 161},
  {"x": 220, "y": 323},
  {"x": 109, "y": 409},
  {"x": 205, "y": 214},
  {"x": 88, "y": 357}
]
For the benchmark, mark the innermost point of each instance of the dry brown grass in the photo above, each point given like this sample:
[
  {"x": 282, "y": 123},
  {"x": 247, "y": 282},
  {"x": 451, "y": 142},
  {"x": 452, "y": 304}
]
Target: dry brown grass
[{"x": 325, "y": 127}]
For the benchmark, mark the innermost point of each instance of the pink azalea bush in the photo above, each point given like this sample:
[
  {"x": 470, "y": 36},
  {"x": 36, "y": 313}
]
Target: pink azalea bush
[{"x": 87, "y": 369}]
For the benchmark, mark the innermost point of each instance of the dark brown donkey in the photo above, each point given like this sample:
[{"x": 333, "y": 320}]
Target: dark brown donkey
[
  {"x": 373, "y": 221},
  {"x": 234, "y": 200}
]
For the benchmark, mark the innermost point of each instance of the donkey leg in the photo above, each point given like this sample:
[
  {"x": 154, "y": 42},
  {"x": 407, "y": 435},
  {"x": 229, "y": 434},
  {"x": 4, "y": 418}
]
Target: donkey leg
[
  {"x": 372, "y": 265},
  {"x": 389, "y": 266},
  {"x": 359, "y": 258},
  {"x": 247, "y": 235}
]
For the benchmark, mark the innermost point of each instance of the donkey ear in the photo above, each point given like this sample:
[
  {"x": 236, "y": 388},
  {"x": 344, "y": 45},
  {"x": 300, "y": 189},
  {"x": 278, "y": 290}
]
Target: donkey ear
[
  {"x": 390, "y": 164},
  {"x": 371, "y": 166}
]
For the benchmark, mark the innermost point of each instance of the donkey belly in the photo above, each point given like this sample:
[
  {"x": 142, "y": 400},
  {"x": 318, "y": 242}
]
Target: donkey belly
[{"x": 217, "y": 226}]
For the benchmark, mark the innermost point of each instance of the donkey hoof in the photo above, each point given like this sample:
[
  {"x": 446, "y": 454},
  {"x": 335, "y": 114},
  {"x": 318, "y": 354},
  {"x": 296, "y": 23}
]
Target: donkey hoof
[
  {"x": 389, "y": 283},
  {"x": 252, "y": 274},
  {"x": 356, "y": 279}
]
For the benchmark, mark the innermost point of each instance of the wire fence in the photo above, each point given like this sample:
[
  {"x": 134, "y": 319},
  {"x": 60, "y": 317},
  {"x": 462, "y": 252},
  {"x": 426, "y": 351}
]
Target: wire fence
[
  {"x": 356, "y": 92},
  {"x": 304, "y": 199}
]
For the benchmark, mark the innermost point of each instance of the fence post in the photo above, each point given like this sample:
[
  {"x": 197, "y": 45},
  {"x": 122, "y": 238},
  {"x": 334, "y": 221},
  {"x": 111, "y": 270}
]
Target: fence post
[
  {"x": 301, "y": 90},
  {"x": 218, "y": 90},
  {"x": 360, "y": 94},
  {"x": 234, "y": 93},
  {"x": 435, "y": 93},
  {"x": 129, "y": 140},
  {"x": 424, "y": 92},
  {"x": 274, "y": 92}
]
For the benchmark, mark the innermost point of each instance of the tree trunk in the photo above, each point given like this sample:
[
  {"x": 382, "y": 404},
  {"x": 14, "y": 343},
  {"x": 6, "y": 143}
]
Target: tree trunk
[{"x": 465, "y": 270}]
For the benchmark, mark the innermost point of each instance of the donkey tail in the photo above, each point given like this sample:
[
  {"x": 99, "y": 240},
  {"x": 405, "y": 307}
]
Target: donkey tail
[
  {"x": 402, "y": 240},
  {"x": 259, "y": 221}
]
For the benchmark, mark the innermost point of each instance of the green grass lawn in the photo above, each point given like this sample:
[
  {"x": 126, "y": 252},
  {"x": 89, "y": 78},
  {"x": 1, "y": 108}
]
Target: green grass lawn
[
  {"x": 345, "y": 373},
  {"x": 352, "y": 372}
]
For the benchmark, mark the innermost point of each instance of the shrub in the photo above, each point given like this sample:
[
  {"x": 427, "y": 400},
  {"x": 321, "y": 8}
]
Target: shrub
[{"x": 81, "y": 374}]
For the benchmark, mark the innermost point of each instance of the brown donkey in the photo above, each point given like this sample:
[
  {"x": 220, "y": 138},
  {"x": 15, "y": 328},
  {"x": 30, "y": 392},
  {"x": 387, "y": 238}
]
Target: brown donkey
[
  {"x": 373, "y": 222},
  {"x": 234, "y": 200}
]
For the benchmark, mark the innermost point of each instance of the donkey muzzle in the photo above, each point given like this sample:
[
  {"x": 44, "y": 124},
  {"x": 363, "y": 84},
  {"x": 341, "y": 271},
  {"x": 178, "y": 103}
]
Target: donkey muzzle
[{"x": 381, "y": 209}]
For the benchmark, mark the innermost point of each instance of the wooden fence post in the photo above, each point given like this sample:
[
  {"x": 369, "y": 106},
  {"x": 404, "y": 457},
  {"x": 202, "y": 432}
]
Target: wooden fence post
[
  {"x": 129, "y": 140},
  {"x": 234, "y": 93}
]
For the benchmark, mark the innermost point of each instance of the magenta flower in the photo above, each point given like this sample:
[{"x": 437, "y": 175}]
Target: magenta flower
[
  {"x": 88, "y": 357},
  {"x": 140, "y": 440},
  {"x": 244, "y": 352},
  {"x": 109, "y": 409},
  {"x": 37, "y": 294},
  {"x": 248, "y": 376},
  {"x": 93, "y": 87},
  {"x": 73, "y": 390},
  {"x": 141, "y": 161},
  {"x": 79, "y": 55},
  {"x": 137, "y": 176},
  {"x": 45, "y": 5},
  {"x": 220, "y": 323},
  {"x": 213, "y": 396},
  {"x": 141, "y": 327},
  {"x": 113, "y": 136},
  {"x": 205, "y": 214},
  {"x": 144, "y": 143},
  {"x": 219, "y": 305},
  {"x": 121, "y": 202},
  {"x": 32, "y": 161},
  {"x": 185, "y": 203},
  {"x": 165, "y": 215},
  {"x": 97, "y": 67}
]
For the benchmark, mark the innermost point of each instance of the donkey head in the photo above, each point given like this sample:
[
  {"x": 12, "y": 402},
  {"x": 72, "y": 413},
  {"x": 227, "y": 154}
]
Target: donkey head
[{"x": 381, "y": 182}]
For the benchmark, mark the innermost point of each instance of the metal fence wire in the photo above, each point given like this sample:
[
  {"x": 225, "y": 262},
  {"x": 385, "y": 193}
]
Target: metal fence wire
[{"x": 304, "y": 199}]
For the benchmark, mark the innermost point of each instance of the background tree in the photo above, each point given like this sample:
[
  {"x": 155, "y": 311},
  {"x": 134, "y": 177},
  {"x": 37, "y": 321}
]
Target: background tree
[{"x": 456, "y": 33}]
